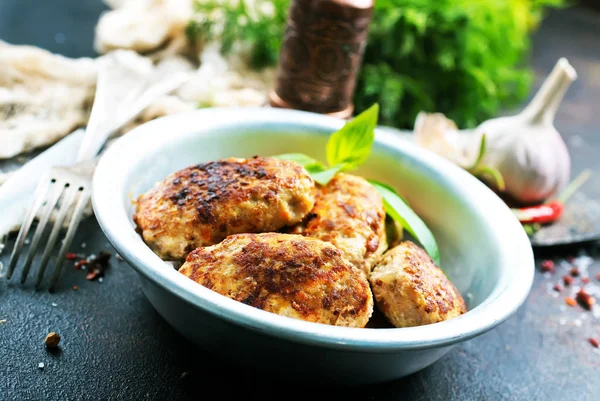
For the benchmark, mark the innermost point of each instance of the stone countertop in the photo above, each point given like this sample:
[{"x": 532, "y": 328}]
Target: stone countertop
[{"x": 115, "y": 346}]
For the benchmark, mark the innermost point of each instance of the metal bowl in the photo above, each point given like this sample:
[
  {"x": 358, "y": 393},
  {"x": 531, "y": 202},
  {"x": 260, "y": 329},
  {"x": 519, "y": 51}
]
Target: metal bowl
[{"x": 484, "y": 249}]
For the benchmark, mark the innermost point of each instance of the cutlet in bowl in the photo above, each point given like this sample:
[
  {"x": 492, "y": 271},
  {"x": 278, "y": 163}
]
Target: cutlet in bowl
[
  {"x": 483, "y": 249},
  {"x": 202, "y": 204}
]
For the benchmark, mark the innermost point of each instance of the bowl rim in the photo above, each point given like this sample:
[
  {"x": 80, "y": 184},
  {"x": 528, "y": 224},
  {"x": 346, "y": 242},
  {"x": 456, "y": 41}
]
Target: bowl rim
[{"x": 508, "y": 294}]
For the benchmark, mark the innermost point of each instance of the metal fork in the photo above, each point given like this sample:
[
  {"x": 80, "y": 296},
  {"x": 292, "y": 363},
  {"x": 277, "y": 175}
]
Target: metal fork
[{"x": 68, "y": 186}]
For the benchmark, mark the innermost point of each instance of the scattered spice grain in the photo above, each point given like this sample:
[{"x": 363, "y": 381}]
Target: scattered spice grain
[
  {"x": 548, "y": 266},
  {"x": 585, "y": 299},
  {"x": 568, "y": 280},
  {"x": 52, "y": 340},
  {"x": 98, "y": 266}
]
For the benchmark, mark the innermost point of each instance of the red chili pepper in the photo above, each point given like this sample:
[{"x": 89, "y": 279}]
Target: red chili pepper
[
  {"x": 550, "y": 211},
  {"x": 541, "y": 214}
]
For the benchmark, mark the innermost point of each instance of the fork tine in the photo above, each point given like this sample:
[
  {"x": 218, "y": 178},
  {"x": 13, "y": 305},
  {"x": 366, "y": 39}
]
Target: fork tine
[
  {"x": 56, "y": 192},
  {"x": 67, "y": 202},
  {"x": 82, "y": 202},
  {"x": 38, "y": 199},
  {"x": 3, "y": 241}
]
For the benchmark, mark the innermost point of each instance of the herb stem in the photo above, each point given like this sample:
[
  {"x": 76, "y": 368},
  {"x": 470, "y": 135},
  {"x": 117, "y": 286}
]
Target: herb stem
[{"x": 574, "y": 186}]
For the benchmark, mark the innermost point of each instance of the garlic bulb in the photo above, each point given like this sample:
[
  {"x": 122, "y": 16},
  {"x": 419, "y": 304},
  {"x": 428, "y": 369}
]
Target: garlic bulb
[{"x": 526, "y": 148}]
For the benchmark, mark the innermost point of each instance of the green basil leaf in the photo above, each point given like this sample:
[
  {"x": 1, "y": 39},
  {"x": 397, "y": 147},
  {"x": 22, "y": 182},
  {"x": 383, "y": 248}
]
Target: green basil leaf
[
  {"x": 315, "y": 168},
  {"x": 324, "y": 176},
  {"x": 305, "y": 161},
  {"x": 388, "y": 187},
  {"x": 393, "y": 231},
  {"x": 399, "y": 210},
  {"x": 351, "y": 145}
]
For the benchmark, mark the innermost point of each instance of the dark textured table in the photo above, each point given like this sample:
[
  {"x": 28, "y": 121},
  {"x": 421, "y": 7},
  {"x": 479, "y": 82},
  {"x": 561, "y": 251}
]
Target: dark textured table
[{"x": 115, "y": 346}]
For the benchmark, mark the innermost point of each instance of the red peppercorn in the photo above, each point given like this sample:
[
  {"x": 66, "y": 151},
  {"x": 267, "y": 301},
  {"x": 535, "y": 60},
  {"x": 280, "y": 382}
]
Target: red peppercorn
[
  {"x": 548, "y": 266},
  {"x": 570, "y": 301},
  {"x": 594, "y": 342},
  {"x": 585, "y": 280},
  {"x": 557, "y": 287},
  {"x": 585, "y": 299},
  {"x": 598, "y": 276},
  {"x": 71, "y": 256},
  {"x": 568, "y": 280},
  {"x": 574, "y": 272}
]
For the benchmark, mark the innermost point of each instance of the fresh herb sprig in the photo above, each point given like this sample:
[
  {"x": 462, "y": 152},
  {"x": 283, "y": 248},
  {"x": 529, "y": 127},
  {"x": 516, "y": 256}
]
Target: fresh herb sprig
[
  {"x": 346, "y": 150},
  {"x": 463, "y": 58},
  {"x": 397, "y": 208},
  {"x": 258, "y": 24}
]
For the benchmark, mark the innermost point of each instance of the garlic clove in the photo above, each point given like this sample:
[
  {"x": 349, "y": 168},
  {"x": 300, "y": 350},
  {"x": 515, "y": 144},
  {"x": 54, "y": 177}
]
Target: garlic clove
[{"x": 439, "y": 134}]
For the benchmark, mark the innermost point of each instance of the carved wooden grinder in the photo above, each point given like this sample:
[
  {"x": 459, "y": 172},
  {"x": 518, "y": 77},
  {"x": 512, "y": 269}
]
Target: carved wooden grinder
[{"x": 321, "y": 55}]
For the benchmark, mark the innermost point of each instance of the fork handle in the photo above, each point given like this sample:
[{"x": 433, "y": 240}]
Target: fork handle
[
  {"x": 100, "y": 126},
  {"x": 95, "y": 132}
]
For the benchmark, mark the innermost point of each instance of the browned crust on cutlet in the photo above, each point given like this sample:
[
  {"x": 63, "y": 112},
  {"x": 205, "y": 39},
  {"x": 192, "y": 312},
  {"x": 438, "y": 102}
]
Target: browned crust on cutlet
[
  {"x": 299, "y": 277},
  {"x": 202, "y": 204},
  {"x": 348, "y": 213},
  {"x": 411, "y": 290}
]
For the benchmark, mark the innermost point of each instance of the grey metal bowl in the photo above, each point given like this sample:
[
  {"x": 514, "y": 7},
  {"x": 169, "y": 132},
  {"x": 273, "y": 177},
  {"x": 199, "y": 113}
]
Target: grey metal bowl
[{"x": 484, "y": 249}]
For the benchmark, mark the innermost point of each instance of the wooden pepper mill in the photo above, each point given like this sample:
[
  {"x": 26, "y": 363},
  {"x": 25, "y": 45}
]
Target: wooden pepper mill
[{"x": 321, "y": 55}]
